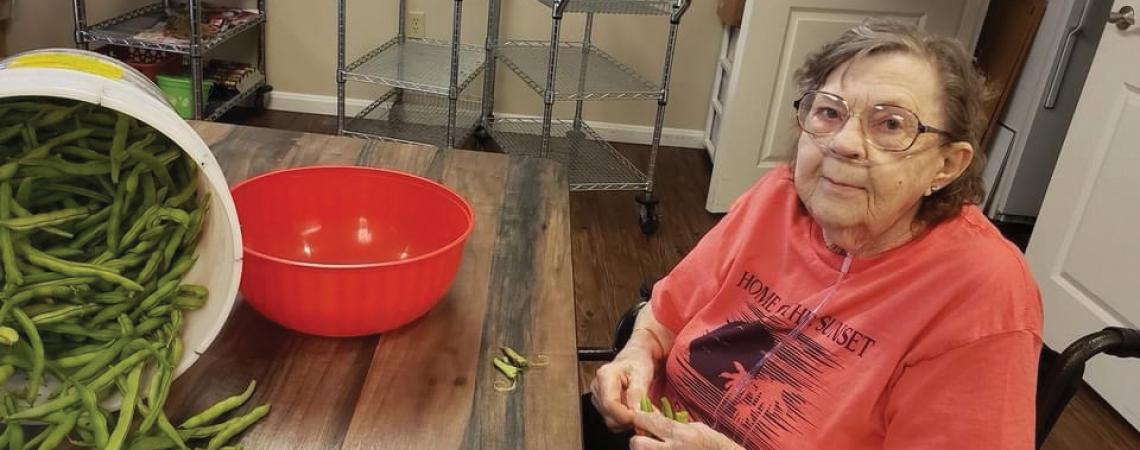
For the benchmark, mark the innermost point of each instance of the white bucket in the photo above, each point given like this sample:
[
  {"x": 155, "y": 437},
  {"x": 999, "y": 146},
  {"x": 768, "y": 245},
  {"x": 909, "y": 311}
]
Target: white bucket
[{"x": 94, "y": 78}]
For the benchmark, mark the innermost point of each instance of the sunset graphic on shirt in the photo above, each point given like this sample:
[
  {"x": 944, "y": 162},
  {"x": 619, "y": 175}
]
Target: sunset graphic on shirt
[{"x": 755, "y": 409}]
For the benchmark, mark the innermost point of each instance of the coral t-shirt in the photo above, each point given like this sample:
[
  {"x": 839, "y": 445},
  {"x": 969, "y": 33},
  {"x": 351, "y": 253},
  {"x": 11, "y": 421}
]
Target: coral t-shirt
[{"x": 931, "y": 345}]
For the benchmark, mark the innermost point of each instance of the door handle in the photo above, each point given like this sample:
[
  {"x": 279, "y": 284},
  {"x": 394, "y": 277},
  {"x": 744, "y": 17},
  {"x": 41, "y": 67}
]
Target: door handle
[
  {"x": 1066, "y": 56},
  {"x": 1123, "y": 19}
]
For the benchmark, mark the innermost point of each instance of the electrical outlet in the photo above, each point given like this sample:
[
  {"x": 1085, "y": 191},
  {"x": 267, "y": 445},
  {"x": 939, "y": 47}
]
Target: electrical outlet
[{"x": 417, "y": 24}]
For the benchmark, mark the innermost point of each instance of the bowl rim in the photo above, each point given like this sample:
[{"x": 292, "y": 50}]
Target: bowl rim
[{"x": 460, "y": 240}]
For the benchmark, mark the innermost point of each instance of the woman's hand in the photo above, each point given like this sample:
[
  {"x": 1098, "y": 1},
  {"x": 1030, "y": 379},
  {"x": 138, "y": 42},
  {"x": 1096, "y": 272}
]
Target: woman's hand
[
  {"x": 670, "y": 435},
  {"x": 619, "y": 386}
]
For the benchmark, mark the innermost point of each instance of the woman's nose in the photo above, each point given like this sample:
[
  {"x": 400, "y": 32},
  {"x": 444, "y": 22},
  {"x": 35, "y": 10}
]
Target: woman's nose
[{"x": 848, "y": 141}]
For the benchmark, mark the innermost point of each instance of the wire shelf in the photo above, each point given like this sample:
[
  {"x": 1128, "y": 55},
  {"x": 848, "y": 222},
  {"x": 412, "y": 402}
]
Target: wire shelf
[
  {"x": 417, "y": 65},
  {"x": 592, "y": 163},
  {"x": 414, "y": 117},
  {"x": 216, "y": 110},
  {"x": 642, "y": 7},
  {"x": 122, "y": 30},
  {"x": 605, "y": 77}
]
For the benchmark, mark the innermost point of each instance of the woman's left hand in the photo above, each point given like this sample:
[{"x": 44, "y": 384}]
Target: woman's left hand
[{"x": 675, "y": 435}]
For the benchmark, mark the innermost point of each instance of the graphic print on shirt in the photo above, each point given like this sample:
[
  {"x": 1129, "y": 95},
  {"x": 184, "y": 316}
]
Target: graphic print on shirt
[{"x": 780, "y": 399}]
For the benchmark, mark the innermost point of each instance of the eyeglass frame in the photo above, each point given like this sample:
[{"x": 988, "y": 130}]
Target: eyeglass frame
[{"x": 921, "y": 129}]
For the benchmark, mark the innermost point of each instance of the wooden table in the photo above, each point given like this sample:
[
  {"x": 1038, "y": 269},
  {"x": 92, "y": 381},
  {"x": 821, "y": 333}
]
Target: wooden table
[{"x": 427, "y": 385}]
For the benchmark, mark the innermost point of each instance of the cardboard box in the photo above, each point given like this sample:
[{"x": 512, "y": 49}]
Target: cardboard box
[{"x": 731, "y": 12}]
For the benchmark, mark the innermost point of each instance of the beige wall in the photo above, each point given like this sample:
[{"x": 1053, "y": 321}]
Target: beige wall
[{"x": 302, "y": 46}]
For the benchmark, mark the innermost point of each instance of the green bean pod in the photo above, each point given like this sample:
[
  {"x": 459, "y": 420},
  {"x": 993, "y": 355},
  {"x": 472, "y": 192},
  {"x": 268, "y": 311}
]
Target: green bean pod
[
  {"x": 237, "y": 427},
  {"x": 12, "y": 274},
  {"x": 77, "y": 269},
  {"x": 126, "y": 411},
  {"x": 35, "y": 221},
  {"x": 36, "y": 378},
  {"x": 220, "y": 408},
  {"x": 119, "y": 145}
]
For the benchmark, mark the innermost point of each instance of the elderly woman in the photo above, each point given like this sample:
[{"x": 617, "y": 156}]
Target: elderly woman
[{"x": 856, "y": 299}]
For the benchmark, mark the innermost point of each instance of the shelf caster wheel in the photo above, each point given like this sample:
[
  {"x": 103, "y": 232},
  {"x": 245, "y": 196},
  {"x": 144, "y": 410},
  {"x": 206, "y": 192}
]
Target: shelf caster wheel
[
  {"x": 261, "y": 99},
  {"x": 647, "y": 213}
]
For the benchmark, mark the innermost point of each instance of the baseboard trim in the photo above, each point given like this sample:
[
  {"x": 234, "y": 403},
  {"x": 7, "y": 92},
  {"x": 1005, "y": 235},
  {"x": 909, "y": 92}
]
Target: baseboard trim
[{"x": 613, "y": 132}]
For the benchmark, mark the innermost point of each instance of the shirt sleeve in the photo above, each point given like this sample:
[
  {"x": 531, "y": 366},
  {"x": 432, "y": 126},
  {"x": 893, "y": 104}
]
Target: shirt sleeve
[
  {"x": 695, "y": 280},
  {"x": 977, "y": 396}
]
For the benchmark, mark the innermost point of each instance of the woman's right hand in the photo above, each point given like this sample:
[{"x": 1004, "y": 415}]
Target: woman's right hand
[{"x": 620, "y": 385}]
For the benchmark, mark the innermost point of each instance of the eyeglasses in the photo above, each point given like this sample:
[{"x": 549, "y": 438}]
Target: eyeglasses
[{"x": 890, "y": 128}]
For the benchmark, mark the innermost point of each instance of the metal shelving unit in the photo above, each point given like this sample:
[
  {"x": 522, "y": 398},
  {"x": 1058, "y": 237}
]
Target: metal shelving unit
[
  {"x": 579, "y": 72},
  {"x": 413, "y": 117},
  {"x": 123, "y": 30},
  {"x": 424, "y": 104}
]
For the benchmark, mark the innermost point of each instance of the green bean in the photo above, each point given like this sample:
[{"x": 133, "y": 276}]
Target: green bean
[
  {"x": 237, "y": 427},
  {"x": 150, "y": 192},
  {"x": 194, "y": 290},
  {"x": 158, "y": 442},
  {"x": 37, "y": 376},
  {"x": 126, "y": 411},
  {"x": 76, "y": 269},
  {"x": 165, "y": 290},
  {"x": 191, "y": 303},
  {"x": 137, "y": 227},
  {"x": 80, "y": 191},
  {"x": 10, "y": 132},
  {"x": 179, "y": 268},
  {"x": 8, "y": 170},
  {"x": 24, "y": 190},
  {"x": 119, "y": 145},
  {"x": 82, "y": 152},
  {"x": 99, "y": 118},
  {"x": 98, "y": 422},
  {"x": 196, "y": 219},
  {"x": 14, "y": 430},
  {"x": 161, "y": 382},
  {"x": 150, "y": 267},
  {"x": 79, "y": 330},
  {"x": 8, "y": 336},
  {"x": 113, "y": 297},
  {"x": 153, "y": 233},
  {"x": 88, "y": 235},
  {"x": 35, "y": 221},
  {"x": 64, "y": 313},
  {"x": 132, "y": 183},
  {"x": 220, "y": 408},
  {"x": 150, "y": 324},
  {"x": 43, "y": 149},
  {"x": 6, "y": 372},
  {"x": 183, "y": 195},
  {"x": 55, "y": 117},
  {"x": 56, "y": 433},
  {"x": 58, "y": 166},
  {"x": 171, "y": 215},
  {"x": 151, "y": 161},
  {"x": 43, "y": 277},
  {"x": 95, "y": 219},
  {"x": 12, "y": 273},
  {"x": 172, "y": 246}
]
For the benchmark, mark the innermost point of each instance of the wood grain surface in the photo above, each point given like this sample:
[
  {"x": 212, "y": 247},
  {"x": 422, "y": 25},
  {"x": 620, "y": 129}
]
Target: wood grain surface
[{"x": 428, "y": 384}]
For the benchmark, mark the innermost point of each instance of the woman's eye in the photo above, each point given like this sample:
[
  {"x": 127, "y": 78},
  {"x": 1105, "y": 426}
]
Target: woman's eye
[
  {"x": 828, "y": 113},
  {"x": 891, "y": 124}
]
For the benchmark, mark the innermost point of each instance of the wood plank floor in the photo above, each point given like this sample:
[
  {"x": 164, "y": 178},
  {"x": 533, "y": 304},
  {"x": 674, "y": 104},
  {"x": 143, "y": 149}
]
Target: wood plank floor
[{"x": 612, "y": 258}]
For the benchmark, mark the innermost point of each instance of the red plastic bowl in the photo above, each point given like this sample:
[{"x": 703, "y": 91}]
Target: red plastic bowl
[{"x": 348, "y": 251}]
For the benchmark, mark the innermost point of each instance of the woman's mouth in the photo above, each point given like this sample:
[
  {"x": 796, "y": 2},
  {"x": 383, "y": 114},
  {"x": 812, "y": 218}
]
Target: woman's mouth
[{"x": 836, "y": 185}]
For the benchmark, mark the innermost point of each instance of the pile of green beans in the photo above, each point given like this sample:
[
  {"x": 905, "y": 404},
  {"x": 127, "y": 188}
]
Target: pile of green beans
[{"x": 100, "y": 216}]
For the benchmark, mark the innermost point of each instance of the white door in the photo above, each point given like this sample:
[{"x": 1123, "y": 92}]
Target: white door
[
  {"x": 1085, "y": 250},
  {"x": 775, "y": 37}
]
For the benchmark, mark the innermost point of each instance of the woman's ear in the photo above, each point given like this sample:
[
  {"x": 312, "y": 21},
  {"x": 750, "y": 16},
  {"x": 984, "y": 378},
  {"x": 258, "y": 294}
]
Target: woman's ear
[{"x": 956, "y": 157}]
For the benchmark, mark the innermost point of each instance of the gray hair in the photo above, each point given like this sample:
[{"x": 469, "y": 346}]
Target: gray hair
[{"x": 964, "y": 94}]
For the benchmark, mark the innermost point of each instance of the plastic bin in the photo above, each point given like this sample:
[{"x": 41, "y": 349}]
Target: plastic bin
[
  {"x": 179, "y": 92},
  {"x": 98, "y": 79}
]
